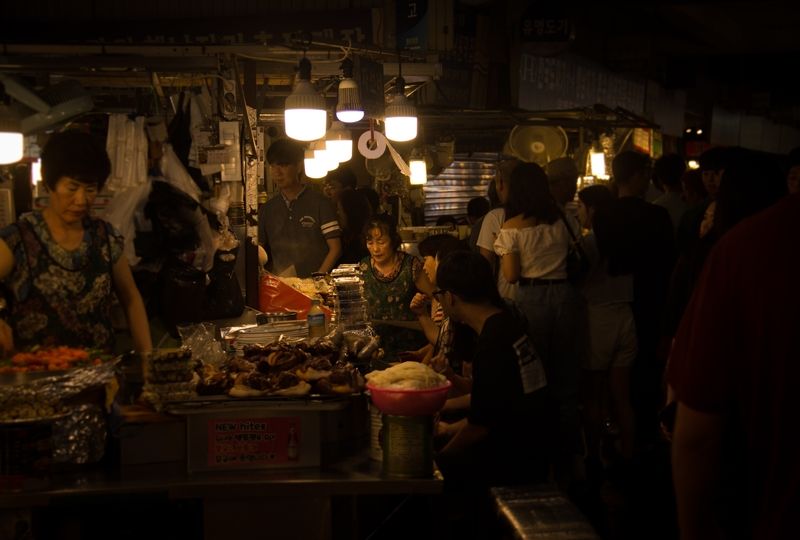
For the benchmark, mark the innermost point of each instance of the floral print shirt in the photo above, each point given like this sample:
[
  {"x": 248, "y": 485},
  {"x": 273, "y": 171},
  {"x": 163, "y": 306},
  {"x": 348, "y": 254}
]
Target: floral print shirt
[
  {"x": 388, "y": 298},
  {"x": 59, "y": 296}
]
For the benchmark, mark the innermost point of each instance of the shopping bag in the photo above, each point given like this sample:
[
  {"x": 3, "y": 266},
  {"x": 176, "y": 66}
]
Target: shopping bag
[{"x": 275, "y": 295}]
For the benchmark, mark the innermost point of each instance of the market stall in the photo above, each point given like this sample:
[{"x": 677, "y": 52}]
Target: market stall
[{"x": 245, "y": 421}]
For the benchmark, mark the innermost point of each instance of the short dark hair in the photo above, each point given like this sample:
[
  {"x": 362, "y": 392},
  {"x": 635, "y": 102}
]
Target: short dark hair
[
  {"x": 439, "y": 245},
  {"x": 668, "y": 169},
  {"x": 529, "y": 194},
  {"x": 383, "y": 223},
  {"x": 372, "y": 197},
  {"x": 478, "y": 207},
  {"x": 626, "y": 164},
  {"x": 692, "y": 182},
  {"x": 76, "y": 154},
  {"x": 596, "y": 196},
  {"x": 285, "y": 152},
  {"x": 562, "y": 169},
  {"x": 468, "y": 275},
  {"x": 713, "y": 159},
  {"x": 344, "y": 175},
  {"x": 491, "y": 193}
]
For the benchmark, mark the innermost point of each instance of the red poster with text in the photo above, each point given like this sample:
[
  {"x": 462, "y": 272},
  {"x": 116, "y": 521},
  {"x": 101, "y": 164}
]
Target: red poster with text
[{"x": 253, "y": 441}]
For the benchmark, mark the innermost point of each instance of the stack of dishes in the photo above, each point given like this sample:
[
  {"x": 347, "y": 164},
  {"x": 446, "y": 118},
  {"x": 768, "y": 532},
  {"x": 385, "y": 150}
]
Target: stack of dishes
[
  {"x": 351, "y": 307},
  {"x": 265, "y": 334}
]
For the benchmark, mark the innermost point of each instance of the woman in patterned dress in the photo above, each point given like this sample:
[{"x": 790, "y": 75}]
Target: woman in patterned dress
[
  {"x": 391, "y": 279},
  {"x": 60, "y": 266}
]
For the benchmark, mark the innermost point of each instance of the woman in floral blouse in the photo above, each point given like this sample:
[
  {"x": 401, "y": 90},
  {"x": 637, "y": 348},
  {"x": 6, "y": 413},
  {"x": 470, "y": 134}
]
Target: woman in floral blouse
[
  {"x": 391, "y": 279},
  {"x": 60, "y": 266}
]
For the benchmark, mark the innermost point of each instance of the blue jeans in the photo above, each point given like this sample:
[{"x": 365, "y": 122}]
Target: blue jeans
[{"x": 558, "y": 326}]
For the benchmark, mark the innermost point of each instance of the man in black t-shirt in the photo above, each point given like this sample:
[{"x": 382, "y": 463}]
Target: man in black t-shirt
[
  {"x": 503, "y": 439},
  {"x": 638, "y": 239},
  {"x": 298, "y": 227}
]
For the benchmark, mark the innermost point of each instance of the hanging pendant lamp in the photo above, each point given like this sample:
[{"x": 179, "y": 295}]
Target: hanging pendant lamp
[
  {"x": 305, "y": 116},
  {"x": 348, "y": 106},
  {"x": 339, "y": 142},
  {"x": 400, "y": 115},
  {"x": 11, "y": 143}
]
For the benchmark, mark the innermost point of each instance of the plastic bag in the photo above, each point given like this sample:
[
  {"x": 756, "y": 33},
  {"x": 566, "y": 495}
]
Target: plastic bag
[
  {"x": 182, "y": 295},
  {"x": 120, "y": 213},
  {"x": 224, "y": 298},
  {"x": 175, "y": 173},
  {"x": 275, "y": 295},
  {"x": 202, "y": 340},
  {"x": 126, "y": 145}
]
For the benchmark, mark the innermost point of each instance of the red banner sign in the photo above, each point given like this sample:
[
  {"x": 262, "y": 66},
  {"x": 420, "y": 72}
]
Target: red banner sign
[{"x": 253, "y": 441}]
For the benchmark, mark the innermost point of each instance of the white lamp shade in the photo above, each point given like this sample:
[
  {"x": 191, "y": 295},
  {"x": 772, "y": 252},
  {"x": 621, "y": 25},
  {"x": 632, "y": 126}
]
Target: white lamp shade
[
  {"x": 349, "y": 116},
  {"x": 348, "y": 107},
  {"x": 597, "y": 161},
  {"x": 339, "y": 142},
  {"x": 305, "y": 124},
  {"x": 341, "y": 150},
  {"x": 401, "y": 128},
  {"x": 419, "y": 172},
  {"x": 305, "y": 117},
  {"x": 36, "y": 172},
  {"x": 401, "y": 120},
  {"x": 325, "y": 158},
  {"x": 10, "y": 147},
  {"x": 313, "y": 168}
]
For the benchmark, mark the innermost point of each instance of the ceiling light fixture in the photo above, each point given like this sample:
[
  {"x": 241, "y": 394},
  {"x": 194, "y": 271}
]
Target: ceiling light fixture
[
  {"x": 324, "y": 156},
  {"x": 597, "y": 164},
  {"x": 419, "y": 169},
  {"x": 305, "y": 117},
  {"x": 11, "y": 143},
  {"x": 312, "y": 167},
  {"x": 348, "y": 107},
  {"x": 400, "y": 115},
  {"x": 339, "y": 142}
]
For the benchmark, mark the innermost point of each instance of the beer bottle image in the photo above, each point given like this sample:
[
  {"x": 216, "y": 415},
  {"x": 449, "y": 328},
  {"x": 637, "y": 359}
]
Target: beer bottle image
[
  {"x": 316, "y": 319},
  {"x": 292, "y": 449}
]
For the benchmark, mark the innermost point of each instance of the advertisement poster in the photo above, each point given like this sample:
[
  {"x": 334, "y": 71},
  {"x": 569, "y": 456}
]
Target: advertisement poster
[{"x": 253, "y": 441}]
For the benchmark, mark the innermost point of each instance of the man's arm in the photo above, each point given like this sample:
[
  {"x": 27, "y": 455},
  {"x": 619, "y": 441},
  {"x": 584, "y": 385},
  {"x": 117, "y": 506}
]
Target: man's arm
[
  {"x": 489, "y": 228},
  {"x": 489, "y": 256},
  {"x": 467, "y": 436},
  {"x": 695, "y": 468},
  {"x": 334, "y": 252},
  {"x": 419, "y": 306}
]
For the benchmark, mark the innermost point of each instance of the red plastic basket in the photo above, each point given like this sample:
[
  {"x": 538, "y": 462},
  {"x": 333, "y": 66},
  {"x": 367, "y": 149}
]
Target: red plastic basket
[{"x": 402, "y": 402}]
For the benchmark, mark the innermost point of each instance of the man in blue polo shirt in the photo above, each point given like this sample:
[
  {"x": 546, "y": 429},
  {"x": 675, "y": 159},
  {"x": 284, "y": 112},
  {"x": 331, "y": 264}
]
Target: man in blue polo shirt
[{"x": 298, "y": 226}]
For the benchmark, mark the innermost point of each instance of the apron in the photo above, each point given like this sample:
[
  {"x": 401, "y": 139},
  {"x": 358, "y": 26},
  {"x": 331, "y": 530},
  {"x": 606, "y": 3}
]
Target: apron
[{"x": 60, "y": 305}]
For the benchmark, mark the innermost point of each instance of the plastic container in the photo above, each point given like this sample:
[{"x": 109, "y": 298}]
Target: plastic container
[
  {"x": 317, "y": 326},
  {"x": 401, "y": 402}
]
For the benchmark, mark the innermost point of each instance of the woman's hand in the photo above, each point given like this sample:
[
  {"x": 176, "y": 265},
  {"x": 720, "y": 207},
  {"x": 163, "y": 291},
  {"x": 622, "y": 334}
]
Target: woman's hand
[
  {"x": 420, "y": 355},
  {"x": 442, "y": 429},
  {"x": 6, "y": 338},
  {"x": 440, "y": 364},
  {"x": 419, "y": 304}
]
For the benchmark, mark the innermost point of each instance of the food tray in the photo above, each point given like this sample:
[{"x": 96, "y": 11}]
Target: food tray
[
  {"x": 39, "y": 420},
  {"x": 22, "y": 378}
]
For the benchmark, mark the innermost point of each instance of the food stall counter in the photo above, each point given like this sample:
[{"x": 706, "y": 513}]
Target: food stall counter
[{"x": 235, "y": 504}]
